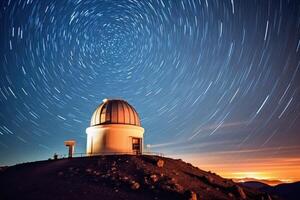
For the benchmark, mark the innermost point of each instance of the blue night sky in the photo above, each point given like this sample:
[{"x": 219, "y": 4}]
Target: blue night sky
[{"x": 207, "y": 77}]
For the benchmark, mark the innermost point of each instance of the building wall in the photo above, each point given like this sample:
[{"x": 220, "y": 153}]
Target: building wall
[{"x": 112, "y": 138}]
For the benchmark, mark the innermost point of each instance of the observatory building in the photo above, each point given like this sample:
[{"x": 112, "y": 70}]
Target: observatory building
[{"x": 115, "y": 128}]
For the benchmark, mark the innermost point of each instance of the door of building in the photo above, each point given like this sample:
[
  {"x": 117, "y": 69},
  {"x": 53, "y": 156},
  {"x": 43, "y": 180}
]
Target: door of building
[{"x": 137, "y": 145}]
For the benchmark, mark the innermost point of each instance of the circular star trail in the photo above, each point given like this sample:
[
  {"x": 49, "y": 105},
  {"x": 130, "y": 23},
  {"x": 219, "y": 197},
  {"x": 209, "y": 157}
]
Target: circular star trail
[{"x": 204, "y": 75}]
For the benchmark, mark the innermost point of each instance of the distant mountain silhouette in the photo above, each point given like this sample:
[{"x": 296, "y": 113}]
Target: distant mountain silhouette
[
  {"x": 118, "y": 177},
  {"x": 286, "y": 191},
  {"x": 255, "y": 184},
  {"x": 271, "y": 182}
]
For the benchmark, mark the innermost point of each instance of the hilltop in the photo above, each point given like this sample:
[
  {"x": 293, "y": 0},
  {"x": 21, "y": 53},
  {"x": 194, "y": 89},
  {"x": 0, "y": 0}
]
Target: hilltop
[
  {"x": 118, "y": 177},
  {"x": 288, "y": 191}
]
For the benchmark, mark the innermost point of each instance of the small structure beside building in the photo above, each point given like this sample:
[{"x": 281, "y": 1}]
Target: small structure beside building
[{"x": 71, "y": 145}]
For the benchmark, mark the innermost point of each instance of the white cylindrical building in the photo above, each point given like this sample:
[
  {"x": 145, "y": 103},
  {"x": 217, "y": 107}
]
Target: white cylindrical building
[{"x": 115, "y": 128}]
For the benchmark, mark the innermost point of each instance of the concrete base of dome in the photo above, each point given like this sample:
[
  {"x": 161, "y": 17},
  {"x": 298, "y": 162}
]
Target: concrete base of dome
[{"x": 114, "y": 139}]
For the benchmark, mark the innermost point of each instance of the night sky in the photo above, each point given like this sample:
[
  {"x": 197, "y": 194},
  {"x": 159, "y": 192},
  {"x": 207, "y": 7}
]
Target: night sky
[{"x": 216, "y": 83}]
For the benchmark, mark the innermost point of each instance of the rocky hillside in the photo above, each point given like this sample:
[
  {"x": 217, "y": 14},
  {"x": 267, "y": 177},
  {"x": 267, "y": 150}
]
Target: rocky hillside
[{"x": 118, "y": 177}]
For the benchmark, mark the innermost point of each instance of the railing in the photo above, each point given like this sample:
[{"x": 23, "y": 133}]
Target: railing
[
  {"x": 110, "y": 153},
  {"x": 153, "y": 154}
]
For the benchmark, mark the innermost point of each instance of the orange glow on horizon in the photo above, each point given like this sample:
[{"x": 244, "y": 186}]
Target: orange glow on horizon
[
  {"x": 272, "y": 171},
  {"x": 263, "y": 177},
  {"x": 268, "y": 176},
  {"x": 256, "y": 175}
]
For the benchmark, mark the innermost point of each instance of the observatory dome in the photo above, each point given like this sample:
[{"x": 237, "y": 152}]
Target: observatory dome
[{"x": 115, "y": 111}]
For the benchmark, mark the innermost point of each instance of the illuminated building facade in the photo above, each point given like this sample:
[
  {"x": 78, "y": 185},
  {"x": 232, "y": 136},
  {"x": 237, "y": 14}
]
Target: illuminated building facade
[{"x": 115, "y": 128}]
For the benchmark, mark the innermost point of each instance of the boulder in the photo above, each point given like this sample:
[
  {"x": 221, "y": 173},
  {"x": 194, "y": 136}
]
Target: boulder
[
  {"x": 146, "y": 181},
  {"x": 154, "y": 178},
  {"x": 230, "y": 195},
  {"x": 190, "y": 195},
  {"x": 210, "y": 179},
  {"x": 160, "y": 163},
  {"x": 113, "y": 169},
  {"x": 97, "y": 173},
  {"x": 241, "y": 192},
  {"x": 178, "y": 187},
  {"x": 135, "y": 185}
]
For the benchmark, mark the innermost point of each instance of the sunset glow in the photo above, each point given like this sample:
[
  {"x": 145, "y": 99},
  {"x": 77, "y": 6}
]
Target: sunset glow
[
  {"x": 244, "y": 165},
  {"x": 270, "y": 171}
]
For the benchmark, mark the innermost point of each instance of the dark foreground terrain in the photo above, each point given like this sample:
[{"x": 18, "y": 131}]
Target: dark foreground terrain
[{"x": 118, "y": 177}]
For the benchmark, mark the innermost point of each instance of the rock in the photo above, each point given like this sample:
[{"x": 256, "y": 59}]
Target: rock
[
  {"x": 241, "y": 192},
  {"x": 113, "y": 168},
  {"x": 154, "y": 178},
  {"x": 178, "y": 187},
  {"x": 146, "y": 181},
  {"x": 166, "y": 187},
  {"x": 135, "y": 186},
  {"x": 210, "y": 179},
  {"x": 175, "y": 172},
  {"x": 97, "y": 174},
  {"x": 160, "y": 163},
  {"x": 269, "y": 197},
  {"x": 190, "y": 195},
  {"x": 230, "y": 194},
  {"x": 88, "y": 170}
]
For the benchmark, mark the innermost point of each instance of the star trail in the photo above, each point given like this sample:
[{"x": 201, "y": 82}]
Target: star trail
[{"x": 214, "y": 82}]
